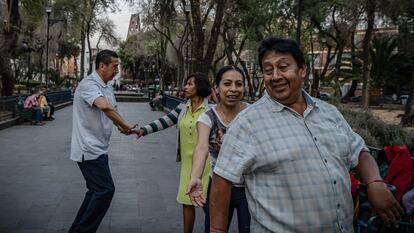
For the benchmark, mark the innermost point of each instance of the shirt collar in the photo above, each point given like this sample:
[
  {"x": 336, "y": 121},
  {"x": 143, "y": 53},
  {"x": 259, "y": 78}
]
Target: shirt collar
[
  {"x": 98, "y": 78},
  {"x": 279, "y": 107},
  {"x": 202, "y": 106}
]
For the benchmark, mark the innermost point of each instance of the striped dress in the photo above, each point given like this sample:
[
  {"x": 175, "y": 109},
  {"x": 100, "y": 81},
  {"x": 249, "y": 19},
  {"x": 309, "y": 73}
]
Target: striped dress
[{"x": 186, "y": 120}]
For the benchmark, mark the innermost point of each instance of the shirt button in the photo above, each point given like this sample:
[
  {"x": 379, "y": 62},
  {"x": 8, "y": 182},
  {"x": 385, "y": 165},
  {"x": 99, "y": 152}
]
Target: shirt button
[
  {"x": 315, "y": 139},
  {"x": 190, "y": 134},
  {"x": 338, "y": 205},
  {"x": 334, "y": 181},
  {"x": 326, "y": 161}
]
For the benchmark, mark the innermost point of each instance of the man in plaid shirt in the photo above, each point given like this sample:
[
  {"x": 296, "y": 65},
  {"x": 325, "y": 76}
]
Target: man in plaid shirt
[{"x": 294, "y": 153}]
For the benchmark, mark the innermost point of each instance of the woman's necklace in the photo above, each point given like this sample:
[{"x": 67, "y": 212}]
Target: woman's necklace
[{"x": 227, "y": 119}]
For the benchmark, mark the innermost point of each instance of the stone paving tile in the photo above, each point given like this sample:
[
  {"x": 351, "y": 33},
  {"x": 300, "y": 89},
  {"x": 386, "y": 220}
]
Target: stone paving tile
[{"x": 42, "y": 189}]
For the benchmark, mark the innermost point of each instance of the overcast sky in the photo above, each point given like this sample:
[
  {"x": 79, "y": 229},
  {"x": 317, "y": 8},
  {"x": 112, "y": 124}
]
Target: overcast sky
[{"x": 121, "y": 19}]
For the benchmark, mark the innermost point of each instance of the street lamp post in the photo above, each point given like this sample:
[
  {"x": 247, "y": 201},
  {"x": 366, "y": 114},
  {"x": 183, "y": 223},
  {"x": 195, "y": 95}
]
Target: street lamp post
[{"x": 48, "y": 11}]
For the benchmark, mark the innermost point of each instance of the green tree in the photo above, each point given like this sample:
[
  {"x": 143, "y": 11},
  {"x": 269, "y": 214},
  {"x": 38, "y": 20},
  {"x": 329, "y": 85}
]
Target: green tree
[{"x": 402, "y": 14}]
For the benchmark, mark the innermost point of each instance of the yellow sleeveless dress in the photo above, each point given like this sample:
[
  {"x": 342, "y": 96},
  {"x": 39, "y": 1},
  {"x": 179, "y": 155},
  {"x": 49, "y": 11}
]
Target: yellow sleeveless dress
[{"x": 188, "y": 142}]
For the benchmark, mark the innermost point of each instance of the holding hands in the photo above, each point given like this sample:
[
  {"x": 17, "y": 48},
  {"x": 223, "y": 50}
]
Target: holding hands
[
  {"x": 127, "y": 129},
  {"x": 138, "y": 132},
  {"x": 131, "y": 129}
]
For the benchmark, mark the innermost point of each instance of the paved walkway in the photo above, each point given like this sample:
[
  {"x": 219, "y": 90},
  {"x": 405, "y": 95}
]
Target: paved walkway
[{"x": 41, "y": 189}]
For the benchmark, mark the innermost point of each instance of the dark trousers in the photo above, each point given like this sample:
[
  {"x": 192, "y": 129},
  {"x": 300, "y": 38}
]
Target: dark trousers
[
  {"x": 98, "y": 197},
  {"x": 52, "y": 110},
  {"x": 237, "y": 201}
]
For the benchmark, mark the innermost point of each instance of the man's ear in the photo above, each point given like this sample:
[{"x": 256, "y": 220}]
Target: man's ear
[{"x": 303, "y": 71}]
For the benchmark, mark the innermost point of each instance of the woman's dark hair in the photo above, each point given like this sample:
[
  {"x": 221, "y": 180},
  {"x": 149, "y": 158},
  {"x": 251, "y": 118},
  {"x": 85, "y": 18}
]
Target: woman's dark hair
[
  {"x": 105, "y": 57},
  {"x": 201, "y": 82},
  {"x": 223, "y": 70},
  {"x": 281, "y": 45}
]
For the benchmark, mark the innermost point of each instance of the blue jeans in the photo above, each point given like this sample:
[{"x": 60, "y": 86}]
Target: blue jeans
[
  {"x": 237, "y": 201},
  {"x": 101, "y": 189},
  {"x": 38, "y": 114}
]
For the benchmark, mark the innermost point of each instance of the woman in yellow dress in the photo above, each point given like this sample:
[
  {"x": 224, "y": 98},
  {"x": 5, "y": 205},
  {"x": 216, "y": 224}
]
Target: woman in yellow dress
[{"x": 196, "y": 90}]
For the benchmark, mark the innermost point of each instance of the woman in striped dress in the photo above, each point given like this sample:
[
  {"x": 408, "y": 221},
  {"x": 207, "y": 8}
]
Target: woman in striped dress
[{"x": 185, "y": 116}]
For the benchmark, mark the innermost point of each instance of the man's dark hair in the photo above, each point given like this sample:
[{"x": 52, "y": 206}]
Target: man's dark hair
[
  {"x": 201, "y": 82},
  {"x": 223, "y": 70},
  {"x": 281, "y": 45},
  {"x": 105, "y": 57}
]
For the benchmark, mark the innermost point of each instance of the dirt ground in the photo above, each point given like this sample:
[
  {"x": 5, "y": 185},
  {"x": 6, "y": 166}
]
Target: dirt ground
[{"x": 390, "y": 116}]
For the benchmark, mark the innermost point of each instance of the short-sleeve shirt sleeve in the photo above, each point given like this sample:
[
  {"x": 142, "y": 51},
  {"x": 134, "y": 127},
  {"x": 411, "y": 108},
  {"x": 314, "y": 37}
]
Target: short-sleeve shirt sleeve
[
  {"x": 356, "y": 143},
  {"x": 90, "y": 92},
  {"x": 205, "y": 119},
  {"x": 237, "y": 152}
]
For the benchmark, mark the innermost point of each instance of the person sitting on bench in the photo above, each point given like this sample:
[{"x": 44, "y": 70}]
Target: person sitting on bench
[
  {"x": 43, "y": 104},
  {"x": 31, "y": 102},
  {"x": 50, "y": 104}
]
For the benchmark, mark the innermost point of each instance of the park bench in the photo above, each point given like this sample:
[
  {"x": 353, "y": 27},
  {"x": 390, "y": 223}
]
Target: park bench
[{"x": 25, "y": 114}]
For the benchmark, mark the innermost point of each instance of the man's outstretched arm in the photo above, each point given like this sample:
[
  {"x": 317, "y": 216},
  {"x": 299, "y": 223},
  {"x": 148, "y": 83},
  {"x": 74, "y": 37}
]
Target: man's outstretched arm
[
  {"x": 219, "y": 204},
  {"x": 113, "y": 114}
]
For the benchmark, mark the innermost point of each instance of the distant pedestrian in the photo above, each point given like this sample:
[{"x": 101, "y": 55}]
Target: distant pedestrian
[
  {"x": 94, "y": 113},
  {"x": 294, "y": 153},
  {"x": 185, "y": 116}
]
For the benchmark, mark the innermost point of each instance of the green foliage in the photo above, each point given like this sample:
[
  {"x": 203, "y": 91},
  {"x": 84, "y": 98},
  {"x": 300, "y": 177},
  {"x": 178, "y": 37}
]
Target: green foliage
[
  {"x": 374, "y": 131},
  {"x": 56, "y": 78},
  {"x": 30, "y": 83},
  {"x": 68, "y": 49},
  {"x": 384, "y": 57},
  {"x": 33, "y": 12},
  {"x": 261, "y": 18}
]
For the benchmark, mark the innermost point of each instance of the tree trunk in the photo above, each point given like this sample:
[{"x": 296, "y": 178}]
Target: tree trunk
[
  {"x": 181, "y": 74},
  {"x": 408, "y": 119},
  {"x": 370, "y": 11},
  {"x": 7, "y": 80},
  {"x": 83, "y": 47},
  {"x": 90, "y": 62},
  {"x": 299, "y": 22},
  {"x": 8, "y": 47},
  {"x": 337, "y": 71},
  {"x": 215, "y": 31},
  {"x": 354, "y": 84}
]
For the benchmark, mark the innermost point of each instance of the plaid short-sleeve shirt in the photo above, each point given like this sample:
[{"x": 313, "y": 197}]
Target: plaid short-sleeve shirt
[{"x": 295, "y": 168}]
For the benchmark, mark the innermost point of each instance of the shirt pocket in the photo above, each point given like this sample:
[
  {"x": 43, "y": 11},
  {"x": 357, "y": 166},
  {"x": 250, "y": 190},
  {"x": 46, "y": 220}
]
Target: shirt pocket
[{"x": 334, "y": 142}]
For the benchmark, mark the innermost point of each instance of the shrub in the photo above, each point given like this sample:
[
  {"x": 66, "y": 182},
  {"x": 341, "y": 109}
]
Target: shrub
[{"x": 374, "y": 131}]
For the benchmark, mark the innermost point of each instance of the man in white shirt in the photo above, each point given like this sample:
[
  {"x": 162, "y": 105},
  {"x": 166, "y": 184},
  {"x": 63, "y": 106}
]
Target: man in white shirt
[{"x": 94, "y": 113}]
